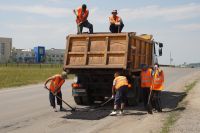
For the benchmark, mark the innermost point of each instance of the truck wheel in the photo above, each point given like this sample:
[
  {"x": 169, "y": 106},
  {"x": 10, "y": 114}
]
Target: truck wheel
[
  {"x": 134, "y": 93},
  {"x": 85, "y": 100},
  {"x": 78, "y": 100}
]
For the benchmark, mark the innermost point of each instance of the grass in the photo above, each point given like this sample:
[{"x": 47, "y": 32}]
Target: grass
[
  {"x": 12, "y": 76},
  {"x": 173, "y": 116},
  {"x": 190, "y": 86},
  {"x": 171, "y": 119}
]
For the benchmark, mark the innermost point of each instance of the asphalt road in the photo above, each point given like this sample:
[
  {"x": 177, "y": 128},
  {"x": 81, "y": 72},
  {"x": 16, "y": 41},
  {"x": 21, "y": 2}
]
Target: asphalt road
[{"x": 26, "y": 109}]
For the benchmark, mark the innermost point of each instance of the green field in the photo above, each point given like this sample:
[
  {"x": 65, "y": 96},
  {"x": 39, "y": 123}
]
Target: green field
[{"x": 23, "y": 74}]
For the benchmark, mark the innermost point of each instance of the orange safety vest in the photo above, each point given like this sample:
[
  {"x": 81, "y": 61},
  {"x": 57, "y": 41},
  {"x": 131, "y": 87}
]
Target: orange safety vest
[
  {"x": 116, "y": 20},
  {"x": 158, "y": 80},
  {"x": 57, "y": 82},
  {"x": 81, "y": 17},
  {"x": 146, "y": 78},
  {"x": 120, "y": 81}
]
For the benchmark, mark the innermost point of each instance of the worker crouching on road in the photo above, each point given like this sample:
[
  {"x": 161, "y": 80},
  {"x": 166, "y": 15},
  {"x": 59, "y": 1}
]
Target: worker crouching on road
[
  {"x": 119, "y": 92},
  {"x": 157, "y": 87},
  {"x": 146, "y": 83},
  {"x": 81, "y": 19},
  {"x": 116, "y": 24},
  {"x": 55, "y": 89}
]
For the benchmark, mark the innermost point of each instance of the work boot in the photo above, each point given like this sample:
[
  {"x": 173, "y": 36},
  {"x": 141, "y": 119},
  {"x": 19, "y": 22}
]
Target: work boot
[
  {"x": 61, "y": 108},
  {"x": 150, "y": 111},
  {"x": 113, "y": 113},
  {"x": 121, "y": 112},
  {"x": 55, "y": 110}
]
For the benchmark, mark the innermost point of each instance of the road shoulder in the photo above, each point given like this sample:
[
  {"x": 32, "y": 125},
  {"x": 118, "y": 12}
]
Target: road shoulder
[{"x": 189, "y": 119}]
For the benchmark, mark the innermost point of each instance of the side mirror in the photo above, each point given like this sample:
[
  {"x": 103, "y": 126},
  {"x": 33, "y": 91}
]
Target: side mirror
[
  {"x": 160, "y": 51},
  {"x": 160, "y": 45}
]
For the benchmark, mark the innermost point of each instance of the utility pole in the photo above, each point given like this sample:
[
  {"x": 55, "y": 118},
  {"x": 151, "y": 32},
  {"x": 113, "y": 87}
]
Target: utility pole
[{"x": 171, "y": 59}]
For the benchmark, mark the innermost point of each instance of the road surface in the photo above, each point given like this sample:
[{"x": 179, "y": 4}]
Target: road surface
[{"x": 26, "y": 109}]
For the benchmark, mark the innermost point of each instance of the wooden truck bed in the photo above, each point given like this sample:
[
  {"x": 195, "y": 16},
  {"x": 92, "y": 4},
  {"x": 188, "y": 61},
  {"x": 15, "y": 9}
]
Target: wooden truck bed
[{"x": 107, "y": 50}]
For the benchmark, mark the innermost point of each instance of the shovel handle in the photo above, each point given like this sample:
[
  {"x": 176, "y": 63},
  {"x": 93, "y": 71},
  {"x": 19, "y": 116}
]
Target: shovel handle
[{"x": 61, "y": 99}]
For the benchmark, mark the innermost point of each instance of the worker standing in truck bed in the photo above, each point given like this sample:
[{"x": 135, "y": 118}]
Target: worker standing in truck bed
[{"x": 81, "y": 19}]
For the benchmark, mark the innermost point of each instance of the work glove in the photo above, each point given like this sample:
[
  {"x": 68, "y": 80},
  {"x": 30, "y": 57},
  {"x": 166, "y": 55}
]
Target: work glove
[{"x": 113, "y": 96}]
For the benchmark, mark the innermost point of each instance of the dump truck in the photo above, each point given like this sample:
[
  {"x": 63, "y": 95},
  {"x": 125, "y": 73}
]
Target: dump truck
[{"x": 94, "y": 58}]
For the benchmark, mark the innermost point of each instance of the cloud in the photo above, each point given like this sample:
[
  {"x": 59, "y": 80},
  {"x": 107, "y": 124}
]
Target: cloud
[
  {"x": 189, "y": 27},
  {"x": 38, "y": 9},
  {"x": 167, "y": 13}
]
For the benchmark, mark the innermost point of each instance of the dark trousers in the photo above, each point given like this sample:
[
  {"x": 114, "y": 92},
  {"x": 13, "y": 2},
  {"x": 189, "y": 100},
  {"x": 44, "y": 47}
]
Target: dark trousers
[
  {"x": 86, "y": 24},
  {"x": 116, "y": 28},
  {"x": 52, "y": 99},
  {"x": 121, "y": 95},
  {"x": 146, "y": 91},
  {"x": 156, "y": 100}
]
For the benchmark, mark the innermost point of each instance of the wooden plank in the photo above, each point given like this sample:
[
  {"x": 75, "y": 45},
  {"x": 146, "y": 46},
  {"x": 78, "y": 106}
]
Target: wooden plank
[
  {"x": 142, "y": 59},
  {"x": 66, "y": 51},
  {"x": 95, "y": 66},
  {"x": 115, "y": 59},
  {"x": 97, "y": 53},
  {"x": 116, "y": 52},
  {"x": 108, "y": 34},
  {"x": 126, "y": 50},
  {"x": 74, "y": 53},
  {"x": 137, "y": 53},
  {"x": 86, "y": 50},
  {"x": 106, "y": 51},
  {"x": 147, "y": 53},
  {"x": 95, "y": 59},
  {"x": 77, "y": 46}
]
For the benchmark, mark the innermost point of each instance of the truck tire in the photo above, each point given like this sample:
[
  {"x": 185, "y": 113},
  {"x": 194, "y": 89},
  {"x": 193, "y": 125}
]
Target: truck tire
[
  {"x": 134, "y": 93},
  {"x": 85, "y": 100},
  {"x": 78, "y": 100}
]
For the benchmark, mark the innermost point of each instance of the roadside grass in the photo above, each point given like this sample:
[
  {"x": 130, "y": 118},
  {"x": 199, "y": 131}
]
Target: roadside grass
[
  {"x": 190, "y": 86},
  {"x": 174, "y": 115},
  {"x": 18, "y": 76}
]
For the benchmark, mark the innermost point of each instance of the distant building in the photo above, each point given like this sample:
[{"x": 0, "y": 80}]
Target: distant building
[
  {"x": 55, "y": 56},
  {"x": 5, "y": 49},
  {"x": 50, "y": 56},
  {"x": 39, "y": 53},
  {"x": 23, "y": 55},
  {"x": 194, "y": 65}
]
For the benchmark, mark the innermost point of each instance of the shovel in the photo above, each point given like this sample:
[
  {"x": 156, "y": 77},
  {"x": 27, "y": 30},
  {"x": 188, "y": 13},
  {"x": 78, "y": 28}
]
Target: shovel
[
  {"x": 149, "y": 107},
  {"x": 73, "y": 109}
]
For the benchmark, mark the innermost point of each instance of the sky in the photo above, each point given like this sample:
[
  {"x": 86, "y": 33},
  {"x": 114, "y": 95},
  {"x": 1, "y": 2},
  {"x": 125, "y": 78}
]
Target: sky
[{"x": 175, "y": 23}]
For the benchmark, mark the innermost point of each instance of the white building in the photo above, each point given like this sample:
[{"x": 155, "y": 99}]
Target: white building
[
  {"x": 5, "y": 49},
  {"x": 23, "y": 55},
  {"x": 55, "y": 56}
]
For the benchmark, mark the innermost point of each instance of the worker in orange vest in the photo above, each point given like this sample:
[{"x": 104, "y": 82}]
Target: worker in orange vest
[
  {"x": 157, "y": 87},
  {"x": 55, "y": 89},
  {"x": 81, "y": 19},
  {"x": 119, "y": 92},
  {"x": 116, "y": 23},
  {"x": 146, "y": 82}
]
